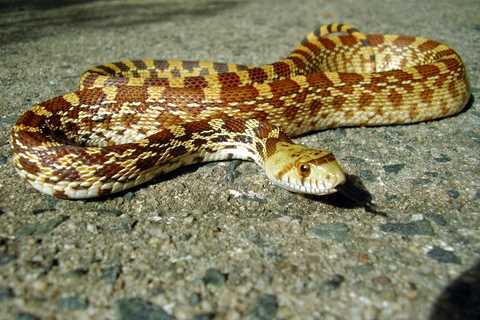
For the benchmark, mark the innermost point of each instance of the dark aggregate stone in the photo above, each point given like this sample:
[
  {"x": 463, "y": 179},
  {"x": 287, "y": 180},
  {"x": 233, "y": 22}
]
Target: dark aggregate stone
[
  {"x": 334, "y": 283},
  {"x": 6, "y": 258},
  {"x": 137, "y": 308},
  {"x": 438, "y": 219},
  {"x": 331, "y": 231},
  {"x": 3, "y": 160},
  {"x": 195, "y": 299},
  {"x": 416, "y": 228},
  {"x": 214, "y": 277},
  {"x": 111, "y": 274},
  {"x": 453, "y": 194},
  {"x": 26, "y": 316},
  {"x": 6, "y": 293},
  {"x": 363, "y": 268},
  {"x": 392, "y": 197},
  {"x": 432, "y": 174},
  {"x": 443, "y": 256},
  {"x": 8, "y": 121},
  {"x": 78, "y": 272},
  {"x": 355, "y": 160},
  {"x": 422, "y": 181},
  {"x": 73, "y": 303},
  {"x": 231, "y": 170},
  {"x": 129, "y": 196},
  {"x": 40, "y": 228},
  {"x": 394, "y": 168},
  {"x": 204, "y": 316},
  {"x": 265, "y": 308},
  {"x": 110, "y": 211},
  {"x": 367, "y": 175},
  {"x": 442, "y": 158}
]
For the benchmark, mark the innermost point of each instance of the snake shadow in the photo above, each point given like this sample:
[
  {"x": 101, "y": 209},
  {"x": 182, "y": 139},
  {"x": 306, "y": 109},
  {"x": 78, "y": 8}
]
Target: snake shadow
[
  {"x": 460, "y": 300},
  {"x": 352, "y": 194}
]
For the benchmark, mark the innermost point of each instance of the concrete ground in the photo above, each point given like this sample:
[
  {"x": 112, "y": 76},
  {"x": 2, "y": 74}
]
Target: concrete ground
[{"x": 218, "y": 241}]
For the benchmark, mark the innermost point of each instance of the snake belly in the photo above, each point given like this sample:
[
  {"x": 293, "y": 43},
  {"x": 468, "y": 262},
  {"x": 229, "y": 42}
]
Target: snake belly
[{"x": 133, "y": 120}]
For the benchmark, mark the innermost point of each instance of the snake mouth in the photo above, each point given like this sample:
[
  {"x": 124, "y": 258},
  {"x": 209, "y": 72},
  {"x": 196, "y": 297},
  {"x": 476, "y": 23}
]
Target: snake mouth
[{"x": 319, "y": 190}]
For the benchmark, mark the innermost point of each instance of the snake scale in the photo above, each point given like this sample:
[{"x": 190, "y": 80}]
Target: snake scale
[{"x": 135, "y": 119}]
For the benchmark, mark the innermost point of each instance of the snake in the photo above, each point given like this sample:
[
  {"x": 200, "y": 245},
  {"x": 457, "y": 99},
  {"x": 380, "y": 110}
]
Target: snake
[{"x": 133, "y": 120}]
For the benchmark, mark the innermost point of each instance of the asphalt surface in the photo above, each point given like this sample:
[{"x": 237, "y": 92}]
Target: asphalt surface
[{"x": 218, "y": 241}]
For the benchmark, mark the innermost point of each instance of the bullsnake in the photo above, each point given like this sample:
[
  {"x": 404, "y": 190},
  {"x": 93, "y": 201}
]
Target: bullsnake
[{"x": 135, "y": 119}]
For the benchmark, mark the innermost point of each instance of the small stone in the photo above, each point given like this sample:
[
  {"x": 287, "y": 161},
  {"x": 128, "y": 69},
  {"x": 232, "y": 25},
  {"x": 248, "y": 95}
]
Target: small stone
[
  {"x": 26, "y": 316},
  {"x": 111, "y": 274},
  {"x": 382, "y": 280},
  {"x": 355, "y": 160},
  {"x": 453, "y": 194},
  {"x": 443, "y": 256},
  {"x": 128, "y": 196},
  {"x": 331, "y": 231},
  {"x": 72, "y": 303},
  {"x": 265, "y": 308},
  {"x": 137, "y": 308},
  {"x": 214, "y": 277},
  {"x": 6, "y": 258},
  {"x": 40, "y": 228},
  {"x": 110, "y": 211},
  {"x": 438, "y": 219},
  {"x": 204, "y": 316},
  {"x": 392, "y": 197},
  {"x": 6, "y": 293},
  {"x": 335, "y": 282},
  {"x": 363, "y": 268},
  {"x": 422, "y": 181},
  {"x": 394, "y": 168},
  {"x": 195, "y": 299},
  {"x": 3, "y": 160},
  {"x": 442, "y": 158},
  {"x": 416, "y": 228},
  {"x": 367, "y": 175},
  {"x": 231, "y": 170}
]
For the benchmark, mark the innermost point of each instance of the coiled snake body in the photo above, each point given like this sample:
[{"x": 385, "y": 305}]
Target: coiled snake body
[{"x": 133, "y": 120}]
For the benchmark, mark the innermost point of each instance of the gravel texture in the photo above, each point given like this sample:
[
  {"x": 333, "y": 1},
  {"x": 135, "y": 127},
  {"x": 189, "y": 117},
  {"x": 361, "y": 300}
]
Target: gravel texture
[{"x": 218, "y": 241}]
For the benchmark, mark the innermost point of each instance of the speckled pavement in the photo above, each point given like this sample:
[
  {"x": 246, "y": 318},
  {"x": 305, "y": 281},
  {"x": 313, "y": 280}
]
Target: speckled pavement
[{"x": 218, "y": 241}]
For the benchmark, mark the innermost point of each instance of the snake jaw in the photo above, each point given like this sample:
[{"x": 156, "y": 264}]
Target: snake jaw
[{"x": 303, "y": 170}]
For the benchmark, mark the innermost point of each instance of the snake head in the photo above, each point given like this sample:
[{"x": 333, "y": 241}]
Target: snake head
[{"x": 304, "y": 170}]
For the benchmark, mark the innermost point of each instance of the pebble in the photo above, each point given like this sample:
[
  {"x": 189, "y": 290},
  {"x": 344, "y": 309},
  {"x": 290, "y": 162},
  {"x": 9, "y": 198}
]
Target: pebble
[
  {"x": 26, "y": 316},
  {"x": 367, "y": 175},
  {"x": 72, "y": 303},
  {"x": 40, "y": 228},
  {"x": 443, "y": 256},
  {"x": 335, "y": 282},
  {"x": 204, "y": 316},
  {"x": 438, "y": 219},
  {"x": 137, "y": 308},
  {"x": 331, "y": 231},
  {"x": 195, "y": 299},
  {"x": 214, "y": 277},
  {"x": 454, "y": 194},
  {"x": 6, "y": 293},
  {"x": 422, "y": 181},
  {"x": 231, "y": 170},
  {"x": 6, "y": 258},
  {"x": 110, "y": 211},
  {"x": 3, "y": 160},
  {"x": 416, "y": 228},
  {"x": 442, "y": 158},
  {"x": 265, "y": 308},
  {"x": 363, "y": 268},
  {"x": 394, "y": 168},
  {"x": 111, "y": 274}
]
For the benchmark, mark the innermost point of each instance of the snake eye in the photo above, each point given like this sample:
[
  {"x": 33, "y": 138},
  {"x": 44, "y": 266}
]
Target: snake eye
[{"x": 304, "y": 169}]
